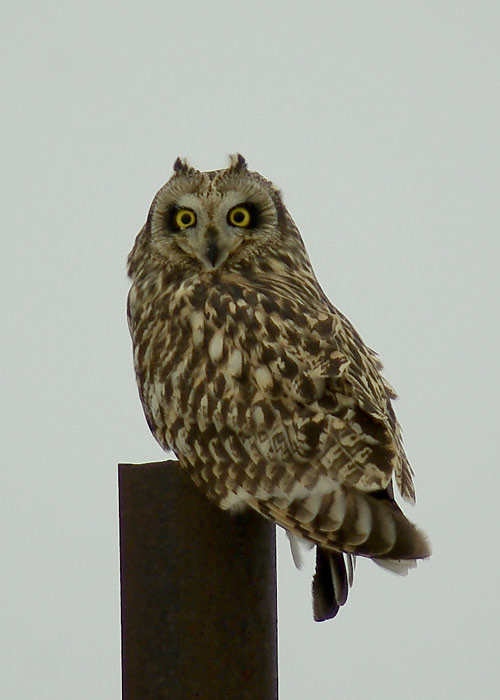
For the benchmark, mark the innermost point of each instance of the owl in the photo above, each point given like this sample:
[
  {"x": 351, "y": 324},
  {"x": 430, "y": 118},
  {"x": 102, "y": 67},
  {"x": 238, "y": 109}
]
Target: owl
[{"x": 264, "y": 391}]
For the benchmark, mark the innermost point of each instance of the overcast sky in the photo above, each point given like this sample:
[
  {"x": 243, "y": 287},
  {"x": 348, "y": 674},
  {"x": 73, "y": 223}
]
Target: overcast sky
[{"x": 379, "y": 120}]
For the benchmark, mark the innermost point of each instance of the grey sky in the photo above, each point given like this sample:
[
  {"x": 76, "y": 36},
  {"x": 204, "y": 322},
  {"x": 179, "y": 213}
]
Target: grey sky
[{"x": 380, "y": 122}]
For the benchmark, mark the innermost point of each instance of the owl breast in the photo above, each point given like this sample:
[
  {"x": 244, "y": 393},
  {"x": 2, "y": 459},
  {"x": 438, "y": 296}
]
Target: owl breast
[
  {"x": 233, "y": 380},
  {"x": 200, "y": 359}
]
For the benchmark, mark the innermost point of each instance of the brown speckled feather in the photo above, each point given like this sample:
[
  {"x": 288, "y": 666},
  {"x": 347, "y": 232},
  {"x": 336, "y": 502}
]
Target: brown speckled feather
[{"x": 264, "y": 391}]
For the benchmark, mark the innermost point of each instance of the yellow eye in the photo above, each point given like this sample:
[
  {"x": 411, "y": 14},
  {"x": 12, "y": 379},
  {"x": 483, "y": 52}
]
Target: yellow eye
[
  {"x": 185, "y": 218},
  {"x": 239, "y": 216}
]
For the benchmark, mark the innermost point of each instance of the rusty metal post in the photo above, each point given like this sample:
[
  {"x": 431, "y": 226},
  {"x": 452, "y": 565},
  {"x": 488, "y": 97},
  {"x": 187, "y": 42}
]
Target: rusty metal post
[{"x": 198, "y": 593}]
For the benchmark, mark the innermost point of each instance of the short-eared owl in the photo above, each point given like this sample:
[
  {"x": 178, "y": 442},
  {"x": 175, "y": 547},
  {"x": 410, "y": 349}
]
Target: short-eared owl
[{"x": 264, "y": 391}]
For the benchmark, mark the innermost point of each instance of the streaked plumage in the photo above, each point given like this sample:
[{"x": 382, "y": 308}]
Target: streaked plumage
[{"x": 264, "y": 391}]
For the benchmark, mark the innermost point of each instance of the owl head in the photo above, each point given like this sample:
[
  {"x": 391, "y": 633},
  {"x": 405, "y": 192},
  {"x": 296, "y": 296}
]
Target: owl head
[{"x": 221, "y": 219}]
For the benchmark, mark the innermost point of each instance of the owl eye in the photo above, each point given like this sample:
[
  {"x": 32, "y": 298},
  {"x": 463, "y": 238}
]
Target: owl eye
[
  {"x": 184, "y": 218},
  {"x": 243, "y": 216}
]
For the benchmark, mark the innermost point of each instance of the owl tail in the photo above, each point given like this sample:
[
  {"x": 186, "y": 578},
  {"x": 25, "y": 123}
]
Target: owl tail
[
  {"x": 393, "y": 541},
  {"x": 367, "y": 524},
  {"x": 331, "y": 582},
  {"x": 344, "y": 523}
]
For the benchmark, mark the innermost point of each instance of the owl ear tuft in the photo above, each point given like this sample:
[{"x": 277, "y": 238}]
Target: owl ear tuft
[
  {"x": 182, "y": 167},
  {"x": 237, "y": 163}
]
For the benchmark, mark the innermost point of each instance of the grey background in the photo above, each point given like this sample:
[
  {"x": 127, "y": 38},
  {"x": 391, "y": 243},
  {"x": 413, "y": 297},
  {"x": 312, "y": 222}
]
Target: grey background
[{"x": 379, "y": 121}]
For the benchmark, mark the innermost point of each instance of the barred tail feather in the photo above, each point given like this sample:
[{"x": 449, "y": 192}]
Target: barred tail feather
[
  {"x": 344, "y": 523},
  {"x": 368, "y": 524}
]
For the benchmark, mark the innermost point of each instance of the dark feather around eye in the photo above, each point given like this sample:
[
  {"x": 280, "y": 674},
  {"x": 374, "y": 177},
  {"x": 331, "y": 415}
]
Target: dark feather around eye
[{"x": 170, "y": 218}]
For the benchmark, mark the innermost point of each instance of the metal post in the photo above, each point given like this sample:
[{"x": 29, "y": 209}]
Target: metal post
[{"x": 198, "y": 592}]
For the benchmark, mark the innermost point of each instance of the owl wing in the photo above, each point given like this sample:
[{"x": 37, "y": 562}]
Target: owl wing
[
  {"x": 356, "y": 402},
  {"x": 323, "y": 365},
  {"x": 329, "y": 428}
]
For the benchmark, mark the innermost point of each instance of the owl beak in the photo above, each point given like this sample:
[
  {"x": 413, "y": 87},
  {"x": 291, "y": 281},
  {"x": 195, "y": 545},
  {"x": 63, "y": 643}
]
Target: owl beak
[
  {"x": 212, "y": 253},
  {"x": 211, "y": 247}
]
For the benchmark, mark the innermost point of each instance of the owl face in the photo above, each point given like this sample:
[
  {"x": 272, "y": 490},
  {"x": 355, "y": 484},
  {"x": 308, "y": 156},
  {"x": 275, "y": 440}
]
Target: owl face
[{"x": 214, "y": 218}]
